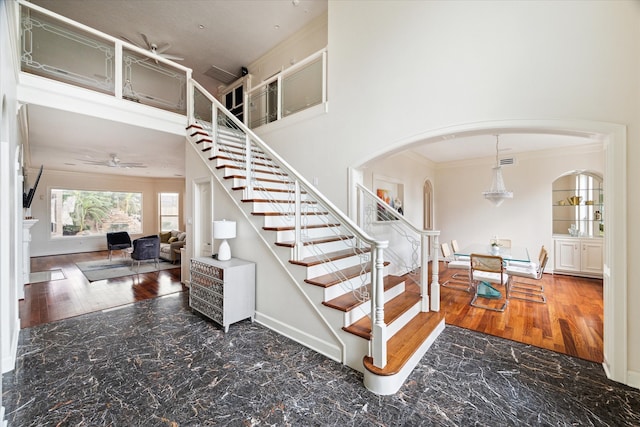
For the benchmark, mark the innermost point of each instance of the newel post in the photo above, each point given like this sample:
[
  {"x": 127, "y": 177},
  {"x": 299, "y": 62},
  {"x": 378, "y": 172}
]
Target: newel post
[
  {"x": 435, "y": 284},
  {"x": 424, "y": 271},
  {"x": 378, "y": 327}
]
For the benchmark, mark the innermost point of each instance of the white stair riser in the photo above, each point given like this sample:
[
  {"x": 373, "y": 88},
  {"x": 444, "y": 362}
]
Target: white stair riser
[
  {"x": 401, "y": 321},
  {"x": 278, "y": 207},
  {"x": 308, "y": 233},
  {"x": 271, "y": 183},
  {"x": 289, "y": 221},
  {"x": 267, "y": 194},
  {"x": 323, "y": 248},
  {"x": 324, "y": 268},
  {"x": 350, "y": 317},
  {"x": 342, "y": 288},
  {"x": 277, "y": 177}
]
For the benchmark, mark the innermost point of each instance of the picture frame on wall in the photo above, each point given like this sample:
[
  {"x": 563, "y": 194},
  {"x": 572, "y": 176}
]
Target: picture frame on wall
[{"x": 391, "y": 192}]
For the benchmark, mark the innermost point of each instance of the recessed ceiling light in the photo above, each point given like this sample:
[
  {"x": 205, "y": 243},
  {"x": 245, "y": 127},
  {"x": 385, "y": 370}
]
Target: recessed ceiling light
[
  {"x": 201, "y": 26},
  {"x": 276, "y": 27}
]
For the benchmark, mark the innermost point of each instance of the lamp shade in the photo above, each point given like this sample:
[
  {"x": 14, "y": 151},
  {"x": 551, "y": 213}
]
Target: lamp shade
[{"x": 224, "y": 229}]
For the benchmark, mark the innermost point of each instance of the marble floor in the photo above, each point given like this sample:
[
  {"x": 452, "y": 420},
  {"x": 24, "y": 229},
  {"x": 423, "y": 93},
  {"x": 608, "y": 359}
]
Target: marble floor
[{"x": 155, "y": 363}]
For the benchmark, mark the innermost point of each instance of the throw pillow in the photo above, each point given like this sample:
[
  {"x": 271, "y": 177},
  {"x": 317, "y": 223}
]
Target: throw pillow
[
  {"x": 172, "y": 239},
  {"x": 164, "y": 237},
  {"x": 182, "y": 236}
]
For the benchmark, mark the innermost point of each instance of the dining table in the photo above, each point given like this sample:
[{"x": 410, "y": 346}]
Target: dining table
[{"x": 508, "y": 254}]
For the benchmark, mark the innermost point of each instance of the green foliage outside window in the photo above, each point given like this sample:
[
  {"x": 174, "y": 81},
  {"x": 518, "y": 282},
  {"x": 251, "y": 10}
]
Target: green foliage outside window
[{"x": 80, "y": 212}]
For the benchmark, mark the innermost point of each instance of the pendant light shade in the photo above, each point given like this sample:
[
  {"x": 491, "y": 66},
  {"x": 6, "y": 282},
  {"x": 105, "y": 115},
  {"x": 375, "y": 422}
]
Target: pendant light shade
[{"x": 498, "y": 193}]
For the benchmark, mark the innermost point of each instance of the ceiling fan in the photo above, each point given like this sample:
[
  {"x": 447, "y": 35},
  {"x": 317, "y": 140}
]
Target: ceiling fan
[
  {"x": 115, "y": 162},
  {"x": 154, "y": 48}
]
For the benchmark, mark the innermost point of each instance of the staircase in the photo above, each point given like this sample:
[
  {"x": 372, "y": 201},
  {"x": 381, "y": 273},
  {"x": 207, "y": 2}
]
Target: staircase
[{"x": 336, "y": 266}]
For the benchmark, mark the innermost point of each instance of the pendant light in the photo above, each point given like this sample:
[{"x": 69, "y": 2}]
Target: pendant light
[{"x": 498, "y": 192}]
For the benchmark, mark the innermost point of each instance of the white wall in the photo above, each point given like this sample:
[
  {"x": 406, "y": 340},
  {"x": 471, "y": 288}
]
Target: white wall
[
  {"x": 402, "y": 69},
  {"x": 280, "y": 303},
  {"x": 42, "y": 243},
  {"x": 464, "y": 215},
  {"x": 310, "y": 39}
]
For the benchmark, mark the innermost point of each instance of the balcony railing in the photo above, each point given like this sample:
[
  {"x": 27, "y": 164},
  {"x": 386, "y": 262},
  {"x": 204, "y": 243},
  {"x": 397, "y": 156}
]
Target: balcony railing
[
  {"x": 58, "y": 48},
  {"x": 295, "y": 89}
]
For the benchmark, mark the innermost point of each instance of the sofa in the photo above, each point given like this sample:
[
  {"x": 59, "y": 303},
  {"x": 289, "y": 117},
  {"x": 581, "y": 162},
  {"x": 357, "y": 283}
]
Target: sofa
[{"x": 170, "y": 244}]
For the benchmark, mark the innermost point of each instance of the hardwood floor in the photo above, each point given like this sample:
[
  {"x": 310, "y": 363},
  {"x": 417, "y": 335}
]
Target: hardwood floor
[
  {"x": 74, "y": 295},
  {"x": 571, "y": 322}
]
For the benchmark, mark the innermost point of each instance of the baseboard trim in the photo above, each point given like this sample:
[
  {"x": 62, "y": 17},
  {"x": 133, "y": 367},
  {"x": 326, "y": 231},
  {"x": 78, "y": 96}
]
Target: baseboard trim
[
  {"x": 633, "y": 379},
  {"x": 9, "y": 361},
  {"x": 325, "y": 348}
]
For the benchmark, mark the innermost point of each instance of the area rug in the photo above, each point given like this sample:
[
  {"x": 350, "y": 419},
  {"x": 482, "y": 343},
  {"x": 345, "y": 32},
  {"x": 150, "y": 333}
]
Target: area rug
[{"x": 105, "y": 269}]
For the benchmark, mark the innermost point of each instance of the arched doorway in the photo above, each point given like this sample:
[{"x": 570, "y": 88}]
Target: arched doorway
[{"x": 614, "y": 140}]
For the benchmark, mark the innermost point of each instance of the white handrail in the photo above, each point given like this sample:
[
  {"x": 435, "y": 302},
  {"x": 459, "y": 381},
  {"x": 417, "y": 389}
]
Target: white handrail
[{"x": 378, "y": 326}]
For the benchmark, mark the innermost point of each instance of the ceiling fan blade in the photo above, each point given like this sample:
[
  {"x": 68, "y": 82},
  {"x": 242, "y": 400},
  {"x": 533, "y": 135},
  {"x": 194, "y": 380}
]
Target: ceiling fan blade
[
  {"x": 163, "y": 48},
  {"x": 172, "y": 57},
  {"x": 146, "y": 41}
]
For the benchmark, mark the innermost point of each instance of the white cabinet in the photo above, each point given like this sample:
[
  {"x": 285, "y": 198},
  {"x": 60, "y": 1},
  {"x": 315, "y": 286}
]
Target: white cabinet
[
  {"x": 578, "y": 256},
  {"x": 224, "y": 291}
]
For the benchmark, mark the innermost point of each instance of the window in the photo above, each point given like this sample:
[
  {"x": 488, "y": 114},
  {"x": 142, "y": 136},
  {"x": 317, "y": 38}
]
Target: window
[
  {"x": 88, "y": 213},
  {"x": 169, "y": 211}
]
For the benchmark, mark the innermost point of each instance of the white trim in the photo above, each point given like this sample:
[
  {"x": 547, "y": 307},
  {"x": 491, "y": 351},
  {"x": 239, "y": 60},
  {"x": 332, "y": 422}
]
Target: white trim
[
  {"x": 9, "y": 361},
  {"x": 633, "y": 379},
  {"x": 325, "y": 348}
]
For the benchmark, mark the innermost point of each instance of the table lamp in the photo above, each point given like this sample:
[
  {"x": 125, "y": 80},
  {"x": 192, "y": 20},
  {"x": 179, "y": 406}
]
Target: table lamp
[{"x": 224, "y": 230}]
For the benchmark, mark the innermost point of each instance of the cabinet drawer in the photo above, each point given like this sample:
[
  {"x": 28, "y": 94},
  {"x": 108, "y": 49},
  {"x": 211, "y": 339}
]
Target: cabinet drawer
[
  {"x": 207, "y": 294},
  {"x": 207, "y": 308},
  {"x": 207, "y": 269},
  {"x": 210, "y": 283}
]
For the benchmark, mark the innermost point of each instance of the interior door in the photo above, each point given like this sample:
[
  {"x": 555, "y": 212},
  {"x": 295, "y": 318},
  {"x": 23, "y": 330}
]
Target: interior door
[{"x": 203, "y": 234}]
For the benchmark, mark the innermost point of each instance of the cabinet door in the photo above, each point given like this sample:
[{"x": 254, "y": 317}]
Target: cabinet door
[
  {"x": 591, "y": 258},
  {"x": 567, "y": 255}
]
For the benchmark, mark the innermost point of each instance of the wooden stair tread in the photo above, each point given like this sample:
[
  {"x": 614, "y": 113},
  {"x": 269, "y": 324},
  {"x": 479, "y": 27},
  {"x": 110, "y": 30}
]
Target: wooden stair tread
[
  {"x": 306, "y": 227},
  {"x": 268, "y": 190},
  {"x": 286, "y": 213},
  {"x": 331, "y": 279},
  {"x": 255, "y": 170},
  {"x": 291, "y": 244},
  {"x": 330, "y": 256},
  {"x": 279, "y": 181},
  {"x": 256, "y": 163},
  {"x": 349, "y": 301},
  {"x": 393, "y": 309},
  {"x": 307, "y": 202},
  {"x": 404, "y": 344}
]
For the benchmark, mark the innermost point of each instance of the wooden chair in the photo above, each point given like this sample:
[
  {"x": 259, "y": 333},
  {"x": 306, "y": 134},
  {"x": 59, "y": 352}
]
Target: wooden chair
[
  {"x": 534, "y": 270},
  {"x": 488, "y": 276},
  {"x": 454, "y": 282}
]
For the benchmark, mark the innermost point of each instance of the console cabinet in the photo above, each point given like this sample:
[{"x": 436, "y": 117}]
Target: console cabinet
[
  {"x": 224, "y": 291},
  {"x": 578, "y": 256}
]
